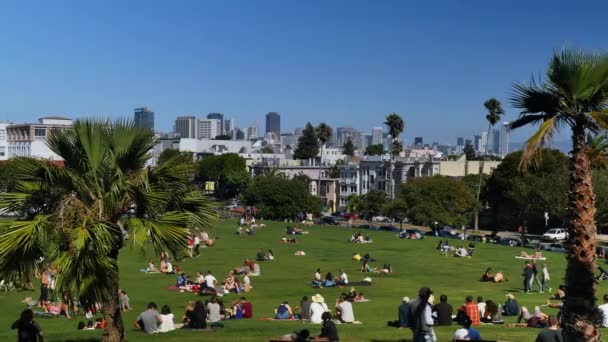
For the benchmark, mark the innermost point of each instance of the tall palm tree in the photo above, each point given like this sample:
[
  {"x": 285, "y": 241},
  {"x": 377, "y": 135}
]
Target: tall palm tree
[
  {"x": 597, "y": 150},
  {"x": 75, "y": 214},
  {"x": 324, "y": 133},
  {"x": 395, "y": 127},
  {"x": 494, "y": 112},
  {"x": 574, "y": 93}
]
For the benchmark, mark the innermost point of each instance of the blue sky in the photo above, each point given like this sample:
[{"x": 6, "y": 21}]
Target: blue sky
[{"x": 344, "y": 62}]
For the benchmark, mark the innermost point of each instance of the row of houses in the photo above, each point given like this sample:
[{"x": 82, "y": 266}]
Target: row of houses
[{"x": 372, "y": 173}]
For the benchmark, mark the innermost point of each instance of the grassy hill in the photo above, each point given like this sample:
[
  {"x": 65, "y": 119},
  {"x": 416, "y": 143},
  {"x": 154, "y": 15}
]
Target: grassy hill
[{"x": 415, "y": 264}]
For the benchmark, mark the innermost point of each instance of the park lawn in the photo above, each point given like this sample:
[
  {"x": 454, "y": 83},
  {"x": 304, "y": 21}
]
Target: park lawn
[{"x": 415, "y": 263}]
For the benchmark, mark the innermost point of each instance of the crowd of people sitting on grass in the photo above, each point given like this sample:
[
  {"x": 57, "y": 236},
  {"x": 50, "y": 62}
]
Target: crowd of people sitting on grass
[
  {"x": 313, "y": 309},
  {"x": 446, "y": 249},
  {"x": 412, "y": 235},
  {"x": 360, "y": 238},
  {"x": 207, "y": 284}
]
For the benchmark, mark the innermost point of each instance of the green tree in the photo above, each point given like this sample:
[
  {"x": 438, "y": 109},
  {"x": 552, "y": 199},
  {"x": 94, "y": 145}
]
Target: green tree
[
  {"x": 349, "y": 148},
  {"x": 186, "y": 157},
  {"x": 308, "y": 147},
  {"x": 469, "y": 152},
  {"x": 397, "y": 209},
  {"x": 521, "y": 198},
  {"x": 324, "y": 133},
  {"x": 7, "y": 176},
  {"x": 573, "y": 94},
  {"x": 267, "y": 149},
  {"x": 374, "y": 150},
  {"x": 228, "y": 170},
  {"x": 438, "y": 198},
  {"x": 223, "y": 137},
  {"x": 395, "y": 127},
  {"x": 493, "y": 113},
  {"x": 279, "y": 198},
  {"x": 352, "y": 203},
  {"x": 76, "y": 213},
  {"x": 372, "y": 204}
]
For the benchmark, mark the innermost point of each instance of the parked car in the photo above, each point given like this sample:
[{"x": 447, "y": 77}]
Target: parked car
[
  {"x": 476, "y": 238},
  {"x": 348, "y": 216},
  {"x": 507, "y": 241},
  {"x": 389, "y": 229},
  {"x": 331, "y": 220},
  {"x": 380, "y": 219},
  {"x": 555, "y": 234},
  {"x": 557, "y": 247}
]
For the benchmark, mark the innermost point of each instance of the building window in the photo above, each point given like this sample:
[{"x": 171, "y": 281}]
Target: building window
[
  {"x": 353, "y": 188},
  {"x": 343, "y": 188},
  {"x": 39, "y": 132}
]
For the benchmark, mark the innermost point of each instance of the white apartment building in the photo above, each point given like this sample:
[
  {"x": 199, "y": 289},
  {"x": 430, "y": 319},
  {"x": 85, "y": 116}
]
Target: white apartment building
[
  {"x": 209, "y": 128},
  {"x": 3, "y": 141},
  {"x": 29, "y": 140}
]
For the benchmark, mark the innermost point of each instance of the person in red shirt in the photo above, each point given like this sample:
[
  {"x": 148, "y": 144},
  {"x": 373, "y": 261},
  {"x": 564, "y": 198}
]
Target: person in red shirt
[
  {"x": 247, "y": 308},
  {"x": 471, "y": 309}
]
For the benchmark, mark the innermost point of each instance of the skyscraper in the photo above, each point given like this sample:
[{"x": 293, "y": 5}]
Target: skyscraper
[
  {"x": 186, "y": 126},
  {"x": 252, "y": 132},
  {"x": 477, "y": 143},
  {"x": 218, "y": 116},
  {"x": 144, "y": 117},
  {"x": 496, "y": 142},
  {"x": 209, "y": 128},
  {"x": 273, "y": 123},
  {"x": 460, "y": 141},
  {"x": 504, "y": 139},
  {"x": 484, "y": 142},
  {"x": 229, "y": 125},
  {"x": 418, "y": 142},
  {"x": 377, "y": 136},
  {"x": 343, "y": 134}
]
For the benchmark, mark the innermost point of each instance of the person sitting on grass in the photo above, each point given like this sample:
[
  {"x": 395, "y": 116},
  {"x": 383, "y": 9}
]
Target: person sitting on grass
[
  {"x": 151, "y": 268},
  {"x": 367, "y": 258},
  {"x": 283, "y": 311},
  {"x": 261, "y": 256},
  {"x": 343, "y": 279},
  {"x": 471, "y": 309},
  {"x": 552, "y": 334},
  {"x": 487, "y": 275},
  {"x": 196, "y": 318},
  {"x": 317, "y": 308},
  {"x": 124, "y": 301},
  {"x": 445, "y": 248},
  {"x": 356, "y": 256},
  {"x": 167, "y": 320},
  {"x": 366, "y": 268},
  {"x": 491, "y": 313},
  {"x": 316, "y": 280},
  {"x": 344, "y": 310},
  {"x": 90, "y": 325},
  {"x": 511, "y": 307},
  {"x": 466, "y": 332},
  {"x": 329, "y": 280},
  {"x": 360, "y": 297},
  {"x": 560, "y": 294},
  {"x": 461, "y": 252},
  {"x": 270, "y": 255},
  {"x": 214, "y": 311},
  {"x": 149, "y": 320},
  {"x": 329, "y": 332}
]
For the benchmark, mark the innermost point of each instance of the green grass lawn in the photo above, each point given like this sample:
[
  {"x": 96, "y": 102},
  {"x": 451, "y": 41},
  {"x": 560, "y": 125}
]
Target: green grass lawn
[{"x": 415, "y": 264}]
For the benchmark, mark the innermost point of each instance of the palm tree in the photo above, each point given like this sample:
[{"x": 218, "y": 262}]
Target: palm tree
[
  {"x": 574, "y": 94},
  {"x": 324, "y": 132},
  {"x": 75, "y": 214},
  {"x": 395, "y": 127},
  {"x": 494, "y": 112},
  {"x": 598, "y": 152}
]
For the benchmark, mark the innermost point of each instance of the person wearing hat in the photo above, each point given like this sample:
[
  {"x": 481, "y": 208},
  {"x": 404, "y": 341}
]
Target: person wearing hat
[
  {"x": 422, "y": 317},
  {"x": 317, "y": 308},
  {"x": 466, "y": 332},
  {"x": 511, "y": 307},
  {"x": 405, "y": 316}
]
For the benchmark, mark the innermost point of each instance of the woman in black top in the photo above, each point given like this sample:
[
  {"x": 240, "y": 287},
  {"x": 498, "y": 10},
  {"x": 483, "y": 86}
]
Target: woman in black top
[
  {"x": 328, "y": 328},
  {"x": 196, "y": 317},
  {"x": 27, "y": 329}
]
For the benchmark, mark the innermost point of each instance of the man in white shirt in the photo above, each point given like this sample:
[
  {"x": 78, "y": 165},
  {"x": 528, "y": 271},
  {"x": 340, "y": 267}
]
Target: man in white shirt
[
  {"x": 200, "y": 278},
  {"x": 317, "y": 308},
  {"x": 481, "y": 305},
  {"x": 197, "y": 244},
  {"x": 210, "y": 280},
  {"x": 345, "y": 311},
  {"x": 343, "y": 278},
  {"x": 604, "y": 310}
]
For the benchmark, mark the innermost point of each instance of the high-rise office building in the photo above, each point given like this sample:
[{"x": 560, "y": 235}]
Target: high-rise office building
[
  {"x": 144, "y": 117},
  {"x": 496, "y": 142},
  {"x": 504, "y": 139},
  {"x": 468, "y": 142},
  {"x": 343, "y": 134},
  {"x": 477, "y": 142},
  {"x": 252, "y": 132},
  {"x": 287, "y": 140},
  {"x": 209, "y": 128},
  {"x": 229, "y": 126},
  {"x": 484, "y": 142},
  {"x": 460, "y": 141},
  {"x": 418, "y": 142},
  {"x": 218, "y": 116},
  {"x": 186, "y": 127},
  {"x": 273, "y": 123},
  {"x": 377, "y": 136},
  {"x": 238, "y": 134}
]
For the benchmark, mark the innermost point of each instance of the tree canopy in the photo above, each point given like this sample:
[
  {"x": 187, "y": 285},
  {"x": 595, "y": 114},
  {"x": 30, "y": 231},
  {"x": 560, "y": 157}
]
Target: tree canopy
[
  {"x": 371, "y": 204},
  {"x": 279, "y": 198},
  {"x": 308, "y": 146},
  {"x": 438, "y": 198},
  {"x": 349, "y": 148},
  {"x": 228, "y": 170},
  {"x": 374, "y": 150}
]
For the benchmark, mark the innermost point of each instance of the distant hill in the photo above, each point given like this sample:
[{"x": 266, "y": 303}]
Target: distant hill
[{"x": 563, "y": 145}]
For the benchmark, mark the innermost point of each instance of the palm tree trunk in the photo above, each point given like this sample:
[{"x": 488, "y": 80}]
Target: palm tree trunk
[
  {"x": 115, "y": 330},
  {"x": 481, "y": 165},
  {"x": 580, "y": 303},
  {"x": 320, "y": 162}
]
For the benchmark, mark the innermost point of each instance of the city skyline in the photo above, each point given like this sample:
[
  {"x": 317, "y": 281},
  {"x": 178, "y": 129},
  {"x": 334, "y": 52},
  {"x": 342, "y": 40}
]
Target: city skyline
[{"x": 349, "y": 66}]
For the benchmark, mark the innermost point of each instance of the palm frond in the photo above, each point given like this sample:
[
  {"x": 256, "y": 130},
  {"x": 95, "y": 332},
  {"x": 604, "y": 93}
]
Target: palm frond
[
  {"x": 599, "y": 120},
  {"x": 532, "y": 152},
  {"x": 22, "y": 245}
]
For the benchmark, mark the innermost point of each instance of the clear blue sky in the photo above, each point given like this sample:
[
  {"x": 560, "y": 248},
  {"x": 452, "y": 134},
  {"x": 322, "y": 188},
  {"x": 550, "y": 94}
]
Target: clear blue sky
[{"x": 344, "y": 62}]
